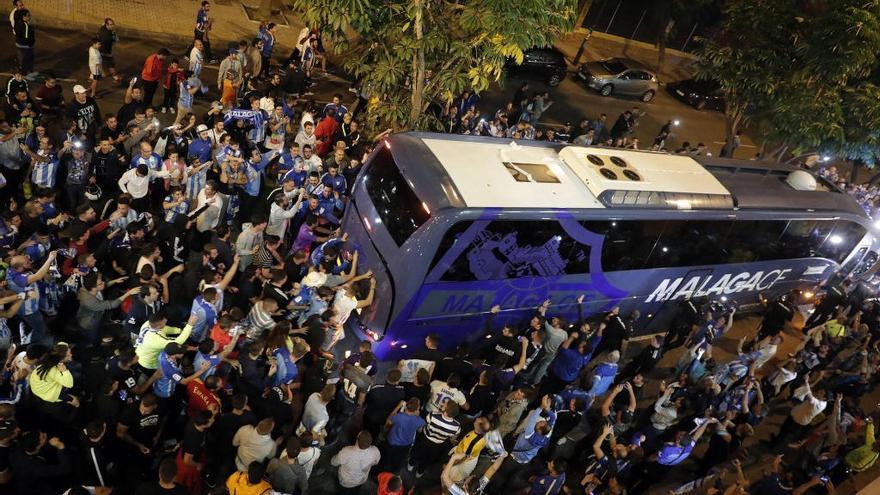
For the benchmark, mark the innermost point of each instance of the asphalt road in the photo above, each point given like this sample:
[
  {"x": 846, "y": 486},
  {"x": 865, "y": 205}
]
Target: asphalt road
[
  {"x": 574, "y": 101},
  {"x": 65, "y": 54}
]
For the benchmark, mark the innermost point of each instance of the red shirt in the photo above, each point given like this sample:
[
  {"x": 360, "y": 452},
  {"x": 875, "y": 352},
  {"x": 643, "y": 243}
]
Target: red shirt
[
  {"x": 324, "y": 133},
  {"x": 222, "y": 339},
  {"x": 199, "y": 398},
  {"x": 383, "y": 480},
  {"x": 153, "y": 67},
  {"x": 68, "y": 264}
]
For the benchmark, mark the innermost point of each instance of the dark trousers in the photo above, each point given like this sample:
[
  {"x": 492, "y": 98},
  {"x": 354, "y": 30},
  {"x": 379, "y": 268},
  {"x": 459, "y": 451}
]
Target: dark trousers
[
  {"x": 141, "y": 205},
  {"x": 821, "y": 314},
  {"x": 264, "y": 69},
  {"x": 791, "y": 428},
  {"x": 393, "y": 457},
  {"x": 149, "y": 91},
  {"x": 425, "y": 453},
  {"x": 675, "y": 337},
  {"x": 511, "y": 477},
  {"x": 170, "y": 100},
  {"x": 75, "y": 194},
  {"x": 26, "y": 59}
]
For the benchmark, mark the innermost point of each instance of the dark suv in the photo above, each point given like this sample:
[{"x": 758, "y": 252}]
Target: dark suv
[{"x": 547, "y": 63}]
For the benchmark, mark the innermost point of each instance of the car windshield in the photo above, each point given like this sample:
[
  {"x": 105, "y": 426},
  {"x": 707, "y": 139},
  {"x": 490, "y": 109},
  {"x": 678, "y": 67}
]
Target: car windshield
[{"x": 613, "y": 66}]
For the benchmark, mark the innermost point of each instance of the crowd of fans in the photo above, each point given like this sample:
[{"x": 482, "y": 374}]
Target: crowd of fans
[
  {"x": 175, "y": 301},
  {"x": 867, "y": 195}
]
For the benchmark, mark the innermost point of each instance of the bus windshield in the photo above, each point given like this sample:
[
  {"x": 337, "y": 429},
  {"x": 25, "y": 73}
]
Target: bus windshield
[{"x": 398, "y": 207}]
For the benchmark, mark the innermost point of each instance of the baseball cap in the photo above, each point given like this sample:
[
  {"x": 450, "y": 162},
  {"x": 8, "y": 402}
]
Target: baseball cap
[
  {"x": 201, "y": 128},
  {"x": 79, "y": 89}
]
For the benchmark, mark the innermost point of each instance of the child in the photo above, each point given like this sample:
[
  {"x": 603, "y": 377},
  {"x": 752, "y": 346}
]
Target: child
[
  {"x": 173, "y": 78},
  {"x": 95, "y": 63}
]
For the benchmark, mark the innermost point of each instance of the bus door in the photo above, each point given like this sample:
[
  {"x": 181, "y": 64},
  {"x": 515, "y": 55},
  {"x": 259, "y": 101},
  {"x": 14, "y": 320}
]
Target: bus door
[{"x": 659, "y": 317}]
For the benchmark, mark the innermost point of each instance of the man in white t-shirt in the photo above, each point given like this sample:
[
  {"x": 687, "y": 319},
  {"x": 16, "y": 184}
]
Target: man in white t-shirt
[
  {"x": 444, "y": 391},
  {"x": 355, "y": 461}
]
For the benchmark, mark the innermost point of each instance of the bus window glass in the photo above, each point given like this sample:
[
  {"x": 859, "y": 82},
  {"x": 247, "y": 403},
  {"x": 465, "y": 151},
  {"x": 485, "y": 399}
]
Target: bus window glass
[
  {"x": 754, "y": 240},
  {"x": 627, "y": 244},
  {"x": 515, "y": 249},
  {"x": 685, "y": 243},
  {"x": 842, "y": 240},
  {"x": 400, "y": 210},
  {"x": 795, "y": 241},
  {"x": 449, "y": 241}
]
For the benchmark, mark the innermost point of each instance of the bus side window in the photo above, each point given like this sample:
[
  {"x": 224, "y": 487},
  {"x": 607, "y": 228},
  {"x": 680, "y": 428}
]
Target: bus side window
[
  {"x": 508, "y": 249},
  {"x": 627, "y": 244},
  {"x": 449, "y": 241},
  {"x": 842, "y": 240},
  {"x": 693, "y": 243}
]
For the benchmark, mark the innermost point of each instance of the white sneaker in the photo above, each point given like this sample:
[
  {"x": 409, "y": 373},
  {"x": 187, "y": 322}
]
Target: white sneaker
[
  {"x": 171, "y": 110},
  {"x": 163, "y": 109}
]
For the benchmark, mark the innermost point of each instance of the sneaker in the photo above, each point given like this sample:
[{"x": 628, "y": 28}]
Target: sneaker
[
  {"x": 171, "y": 110},
  {"x": 353, "y": 90},
  {"x": 163, "y": 109}
]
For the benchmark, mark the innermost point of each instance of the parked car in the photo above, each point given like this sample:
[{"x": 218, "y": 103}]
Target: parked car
[
  {"x": 546, "y": 63},
  {"x": 698, "y": 94},
  {"x": 619, "y": 76}
]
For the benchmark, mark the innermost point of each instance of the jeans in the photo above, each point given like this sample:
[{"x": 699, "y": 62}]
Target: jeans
[{"x": 26, "y": 58}]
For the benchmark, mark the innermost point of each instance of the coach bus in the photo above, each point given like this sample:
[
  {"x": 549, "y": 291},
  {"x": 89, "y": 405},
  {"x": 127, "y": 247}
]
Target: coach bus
[{"x": 453, "y": 225}]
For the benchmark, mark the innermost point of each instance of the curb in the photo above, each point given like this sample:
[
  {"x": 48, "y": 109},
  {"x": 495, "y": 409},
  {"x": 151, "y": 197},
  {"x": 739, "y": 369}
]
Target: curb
[{"x": 87, "y": 29}]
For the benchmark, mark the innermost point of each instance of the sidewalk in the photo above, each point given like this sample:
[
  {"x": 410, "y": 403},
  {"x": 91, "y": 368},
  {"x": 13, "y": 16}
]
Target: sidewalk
[
  {"x": 677, "y": 65},
  {"x": 157, "y": 20},
  {"x": 173, "y": 20}
]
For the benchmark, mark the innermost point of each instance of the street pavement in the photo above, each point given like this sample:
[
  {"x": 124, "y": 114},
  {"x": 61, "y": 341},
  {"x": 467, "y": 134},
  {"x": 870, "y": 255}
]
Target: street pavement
[{"x": 65, "y": 53}]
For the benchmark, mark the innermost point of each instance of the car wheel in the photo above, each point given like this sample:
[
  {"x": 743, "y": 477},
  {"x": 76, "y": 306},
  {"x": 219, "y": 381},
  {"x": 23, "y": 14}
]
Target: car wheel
[
  {"x": 700, "y": 105},
  {"x": 606, "y": 90},
  {"x": 648, "y": 96},
  {"x": 554, "y": 80}
]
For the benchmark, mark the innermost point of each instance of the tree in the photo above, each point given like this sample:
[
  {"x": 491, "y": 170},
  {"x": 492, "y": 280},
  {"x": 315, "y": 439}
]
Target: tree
[
  {"x": 800, "y": 71},
  {"x": 412, "y": 53},
  {"x": 670, "y": 15},
  {"x": 583, "y": 10}
]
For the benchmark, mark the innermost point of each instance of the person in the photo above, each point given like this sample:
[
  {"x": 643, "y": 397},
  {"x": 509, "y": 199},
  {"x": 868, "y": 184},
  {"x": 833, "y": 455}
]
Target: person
[
  {"x": 535, "y": 435},
  {"x": 84, "y": 111},
  {"x": 202, "y": 30},
  {"x": 96, "y": 66},
  {"x": 108, "y": 37},
  {"x": 166, "y": 484},
  {"x": 20, "y": 279},
  {"x": 25, "y": 38},
  {"x": 255, "y": 443},
  {"x": 249, "y": 481},
  {"x": 267, "y": 36},
  {"x": 440, "y": 428},
  {"x": 152, "y": 72},
  {"x": 864, "y": 456},
  {"x": 355, "y": 462},
  {"x": 288, "y": 475}
]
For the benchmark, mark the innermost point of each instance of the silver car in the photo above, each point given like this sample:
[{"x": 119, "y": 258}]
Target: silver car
[{"x": 619, "y": 76}]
